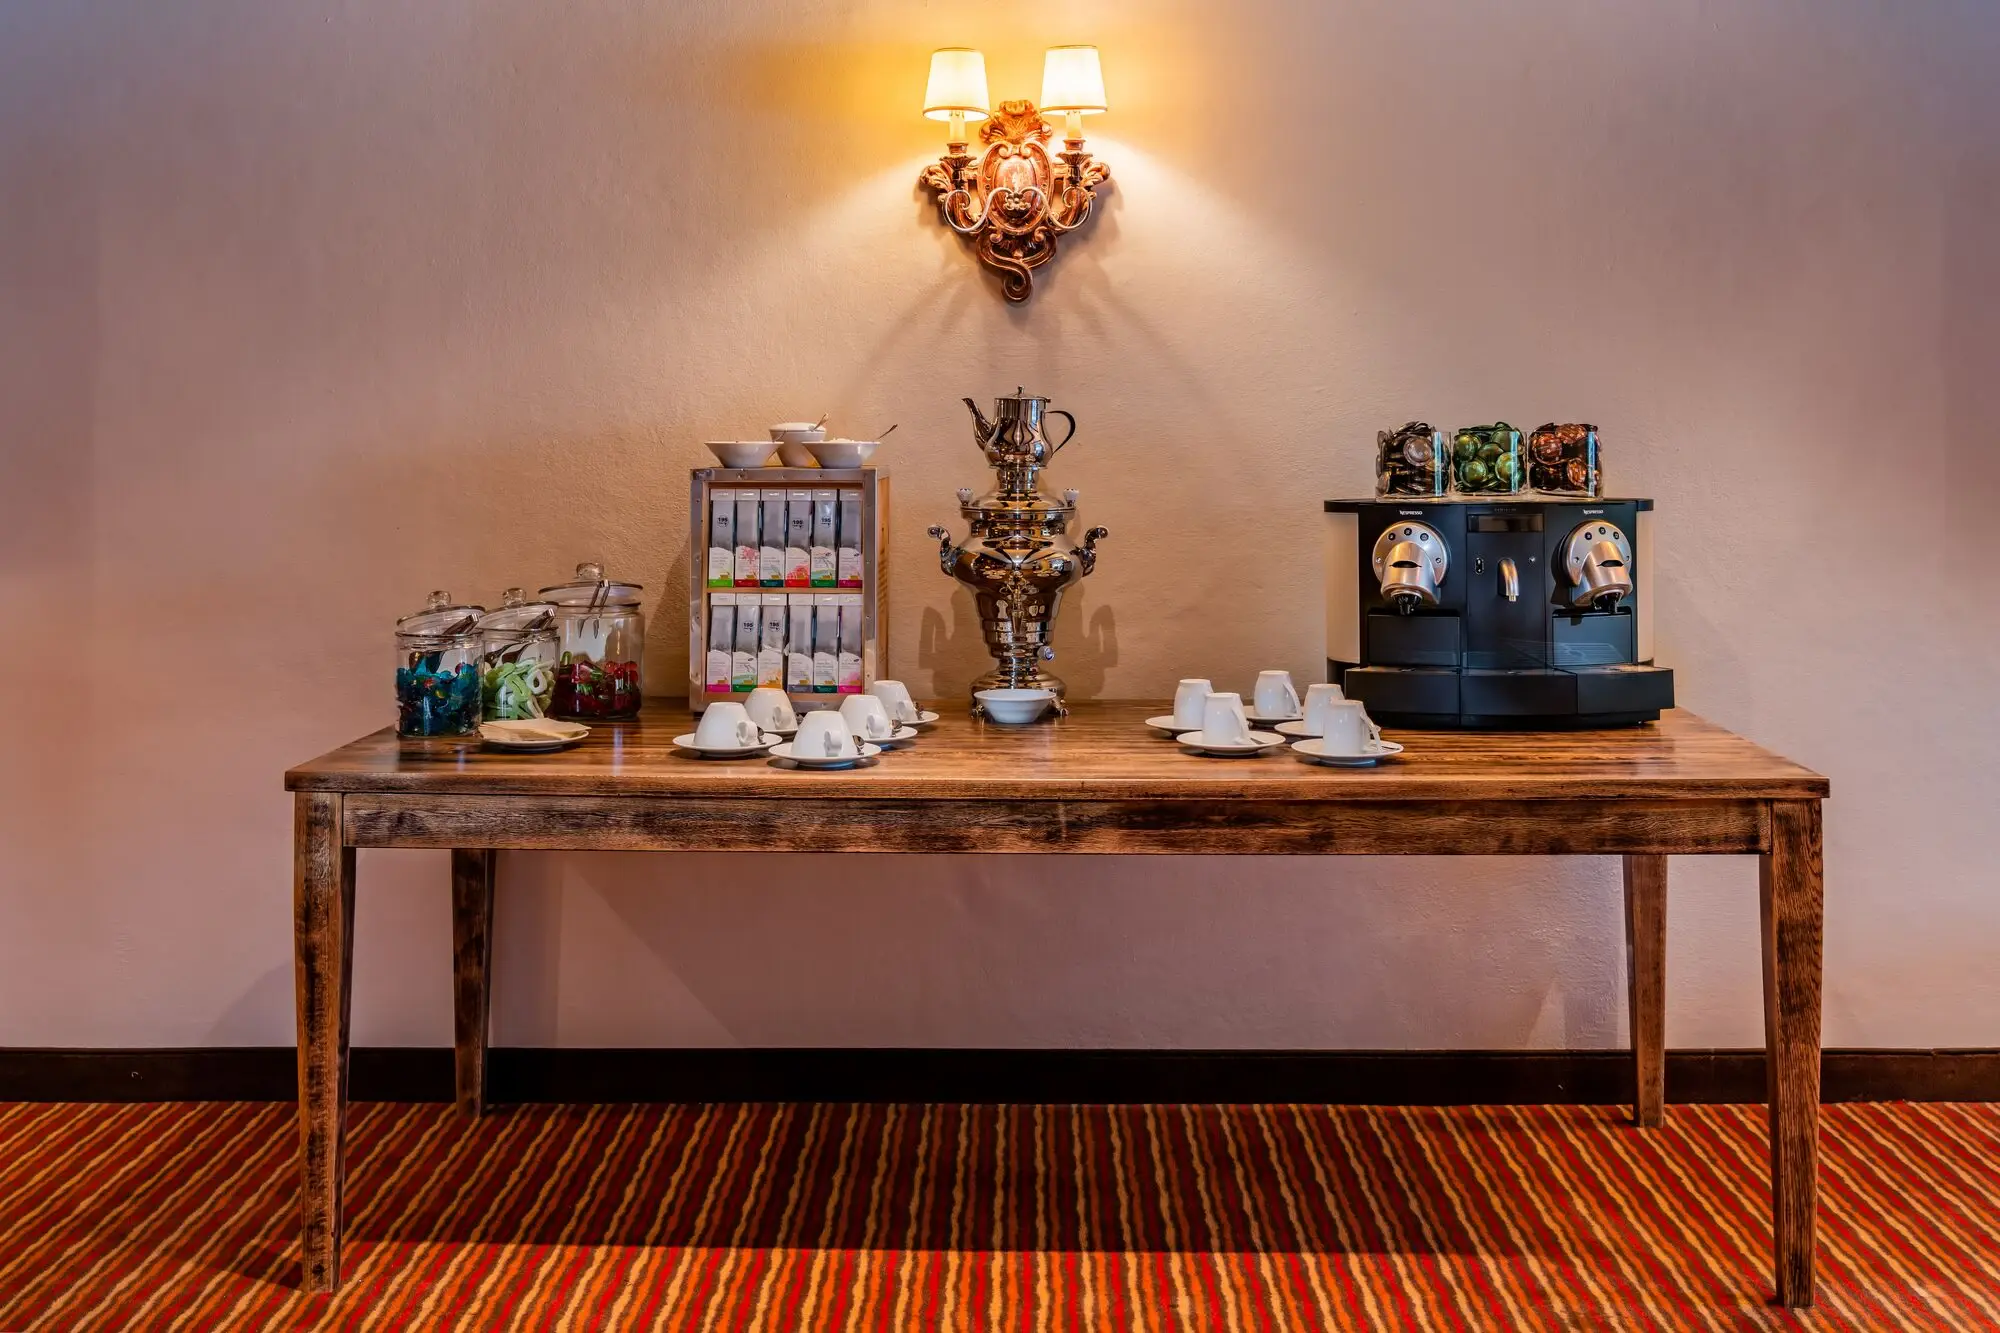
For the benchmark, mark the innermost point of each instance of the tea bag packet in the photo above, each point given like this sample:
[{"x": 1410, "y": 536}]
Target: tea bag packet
[
  {"x": 847, "y": 550},
  {"x": 825, "y": 525},
  {"x": 771, "y": 530},
  {"x": 749, "y": 554},
  {"x": 826, "y": 643},
  {"x": 721, "y": 539},
  {"x": 743, "y": 661},
  {"x": 799, "y": 643},
  {"x": 721, "y": 642},
  {"x": 771, "y": 640},
  {"x": 848, "y": 663},
  {"x": 798, "y": 538}
]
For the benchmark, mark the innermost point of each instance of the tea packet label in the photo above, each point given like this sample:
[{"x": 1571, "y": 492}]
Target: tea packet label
[
  {"x": 721, "y": 643},
  {"x": 799, "y": 643}
]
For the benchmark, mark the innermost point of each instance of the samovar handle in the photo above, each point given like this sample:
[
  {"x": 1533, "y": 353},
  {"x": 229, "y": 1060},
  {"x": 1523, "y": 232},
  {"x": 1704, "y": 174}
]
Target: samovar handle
[
  {"x": 1086, "y": 554},
  {"x": 1058, "y": 412},
  {"x": 942, "y": 535}
]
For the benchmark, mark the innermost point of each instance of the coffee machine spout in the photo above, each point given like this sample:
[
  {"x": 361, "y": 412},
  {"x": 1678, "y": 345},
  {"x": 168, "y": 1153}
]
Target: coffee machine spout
[
  {"x": 1598, "y": 560},
  {"x": 1410, "y": 562}
]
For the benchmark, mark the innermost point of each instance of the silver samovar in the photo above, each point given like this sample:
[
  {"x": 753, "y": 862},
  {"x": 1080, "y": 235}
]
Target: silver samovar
[{"x": 1017, "y": 560}]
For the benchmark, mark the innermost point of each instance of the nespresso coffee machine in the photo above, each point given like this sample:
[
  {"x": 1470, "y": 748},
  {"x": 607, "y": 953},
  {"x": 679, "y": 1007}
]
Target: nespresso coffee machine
[{"x": 1515, "y": 613}]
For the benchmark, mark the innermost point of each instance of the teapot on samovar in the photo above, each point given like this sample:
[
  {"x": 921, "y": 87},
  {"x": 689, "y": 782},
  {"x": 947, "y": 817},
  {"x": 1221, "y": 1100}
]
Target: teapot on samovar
[{"x": 1018, "y": 559}]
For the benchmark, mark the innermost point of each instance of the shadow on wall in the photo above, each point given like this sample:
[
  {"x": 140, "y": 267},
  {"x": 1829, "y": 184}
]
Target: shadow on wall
[
  {"x": 854, "y": 950},
  {"x": 955, "y": 654}
]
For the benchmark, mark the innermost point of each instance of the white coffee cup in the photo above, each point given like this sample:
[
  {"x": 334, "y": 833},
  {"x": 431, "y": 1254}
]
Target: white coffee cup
[
  {"x": 771, "y": 708},
  {"x": 825, "y": 735},
  {"x": 726, "y": 725},
  {"x": 1189, "y": 696},
  {"x": 1350, "y": 732},
  {"x": 1275, "y": 696},
  {"x": 867, "y": 718},
  {"x": 1223, "y": 721},
  {"x": 1318, "y": 699},
  {"x": 895, "y": 697}
]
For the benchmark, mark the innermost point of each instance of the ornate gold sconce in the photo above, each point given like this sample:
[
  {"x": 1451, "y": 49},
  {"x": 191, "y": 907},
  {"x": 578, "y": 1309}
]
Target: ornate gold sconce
[{"x": 1016, "y": 197}]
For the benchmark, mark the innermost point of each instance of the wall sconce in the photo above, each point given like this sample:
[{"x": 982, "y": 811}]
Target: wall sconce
[{"x": 1016, "y": 197}]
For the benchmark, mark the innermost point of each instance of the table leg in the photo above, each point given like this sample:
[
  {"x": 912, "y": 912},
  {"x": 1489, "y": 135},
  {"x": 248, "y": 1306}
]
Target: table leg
[
  {"x": 323, "y": 930},
  {"x": 1791, "y": 898},
  {"x": 1646, "y": 985},
  {"x": 472, "y": 874}
]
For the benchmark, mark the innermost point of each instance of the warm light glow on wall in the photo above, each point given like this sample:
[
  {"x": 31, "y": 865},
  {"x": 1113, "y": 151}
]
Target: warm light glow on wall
[{"x": 1016, "y": 197}]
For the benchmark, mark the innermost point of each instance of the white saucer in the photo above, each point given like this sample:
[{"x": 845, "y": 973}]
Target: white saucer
[
  {"x": 733, "y": 752},
  {"x": 792, "y": 730},
  {"x": 1166, "y": 723},
  {"x": 1259, "y": 720},
  {"x": 1296, "y": 729},
  {"x": 1313, "y": 751},
  {"x": 783, "y": 750},
  {"x": 925, "y": 718},
  {"x": 1260, "y": 741},
  {"x": 902, "y": 735},
  {"x": 529, "y": 736}
]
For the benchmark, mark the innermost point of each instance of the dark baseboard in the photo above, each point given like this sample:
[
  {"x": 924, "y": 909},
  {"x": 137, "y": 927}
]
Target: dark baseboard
[{"x": 1374, "y": 1078}]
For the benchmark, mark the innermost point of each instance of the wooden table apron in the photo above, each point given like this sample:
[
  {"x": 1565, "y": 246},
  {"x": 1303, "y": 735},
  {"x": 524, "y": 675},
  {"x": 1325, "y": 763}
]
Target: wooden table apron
[{"x": 1093, "y": 783}]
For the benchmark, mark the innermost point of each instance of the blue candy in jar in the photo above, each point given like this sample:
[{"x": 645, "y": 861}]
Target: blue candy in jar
[{"x": 437, "y": 670}]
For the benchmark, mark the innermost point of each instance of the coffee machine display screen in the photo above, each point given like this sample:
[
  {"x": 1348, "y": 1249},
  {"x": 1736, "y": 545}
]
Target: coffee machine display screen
[{"x": 1504, "y": 522}]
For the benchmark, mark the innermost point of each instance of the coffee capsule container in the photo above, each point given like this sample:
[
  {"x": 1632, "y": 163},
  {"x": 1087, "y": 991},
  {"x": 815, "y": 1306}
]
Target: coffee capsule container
[
  {"x": 1413, "y": 460},
  {"x": 1487, "y": 460},
  {"x": 1564, "y": 460}
]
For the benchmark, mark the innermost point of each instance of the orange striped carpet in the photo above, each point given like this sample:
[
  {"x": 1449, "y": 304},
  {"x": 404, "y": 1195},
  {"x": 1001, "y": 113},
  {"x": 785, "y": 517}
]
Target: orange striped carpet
[{"x": 906, "y": 1217}]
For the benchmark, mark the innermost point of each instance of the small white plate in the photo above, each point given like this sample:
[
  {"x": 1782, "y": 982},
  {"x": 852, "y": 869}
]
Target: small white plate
[
  {"x": 733, "y": 752},
  {"x": 925, "y": 718},
  {"x": 1260, "y": 741},
  {"x": 899, "y": 737},
  {"x": 783, "y": 751},
  {"x": 1165, "y": 722},
  {"x": 523, "y": 738},
  {"x": 1295, "y": 729},
  {"x": 1313, "y": 751},
  {"x": 1259, "y": 720}
]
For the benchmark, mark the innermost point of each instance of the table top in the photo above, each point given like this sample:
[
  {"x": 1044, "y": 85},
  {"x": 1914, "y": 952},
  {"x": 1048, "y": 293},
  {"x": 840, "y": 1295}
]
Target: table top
[{"x": 1103, "y": 749}]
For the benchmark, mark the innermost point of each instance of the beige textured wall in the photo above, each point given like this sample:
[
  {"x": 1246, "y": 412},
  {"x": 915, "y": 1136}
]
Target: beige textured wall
[{"x": 311, "y": 307}]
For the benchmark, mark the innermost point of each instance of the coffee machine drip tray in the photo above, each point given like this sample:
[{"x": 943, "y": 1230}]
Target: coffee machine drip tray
[{"x": 1536, "y": 698}]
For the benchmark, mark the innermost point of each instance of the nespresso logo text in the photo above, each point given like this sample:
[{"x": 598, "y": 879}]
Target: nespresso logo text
[
  {"x": 1411, "y": 513},
  {"x": 1588, "y": 512}
]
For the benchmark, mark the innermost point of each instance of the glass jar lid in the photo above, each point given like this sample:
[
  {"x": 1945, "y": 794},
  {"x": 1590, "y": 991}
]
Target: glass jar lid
[
  {"x": 441, "y": 618},
  {"x": 516, "y": 615},
  {"x": 593, "y": 589}
]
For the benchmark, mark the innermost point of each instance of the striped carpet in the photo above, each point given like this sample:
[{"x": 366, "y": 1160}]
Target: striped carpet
[{"x": 904, "y": 1217}]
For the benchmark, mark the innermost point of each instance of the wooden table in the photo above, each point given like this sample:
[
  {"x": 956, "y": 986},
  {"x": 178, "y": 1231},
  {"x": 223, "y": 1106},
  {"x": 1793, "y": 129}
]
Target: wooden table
[{"x": 1094, "y": 782}]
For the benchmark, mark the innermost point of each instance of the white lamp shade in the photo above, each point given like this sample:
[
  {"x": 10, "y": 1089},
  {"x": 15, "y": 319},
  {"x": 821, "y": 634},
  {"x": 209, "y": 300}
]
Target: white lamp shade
[
  {"x": 1072, "y": 80},
  {"x": 958, "y": 84}
]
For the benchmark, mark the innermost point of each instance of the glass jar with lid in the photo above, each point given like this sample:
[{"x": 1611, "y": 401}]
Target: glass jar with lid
[
  {"x": 1486, "y": 460},
  {"x": 601, "y": 635},
  {"x": 437, "y": 669},
  {"x": 517, "y": 659}
]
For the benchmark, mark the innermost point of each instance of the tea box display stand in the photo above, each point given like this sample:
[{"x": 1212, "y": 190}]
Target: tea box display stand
[{"x": 787, "y": 583}]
